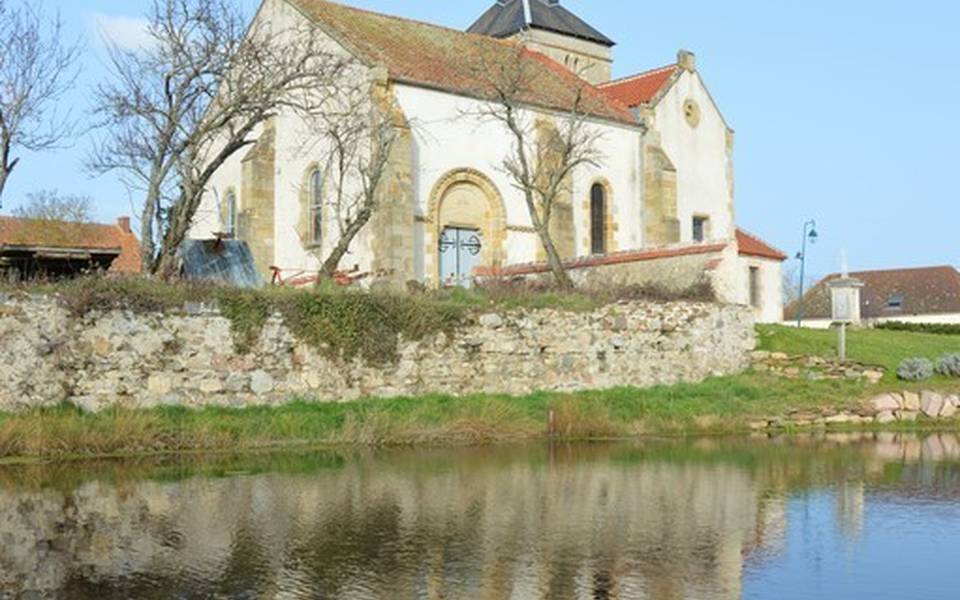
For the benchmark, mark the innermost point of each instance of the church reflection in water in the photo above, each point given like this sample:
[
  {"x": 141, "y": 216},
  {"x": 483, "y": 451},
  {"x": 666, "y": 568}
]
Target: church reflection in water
[{"x": 666, "y": 520}]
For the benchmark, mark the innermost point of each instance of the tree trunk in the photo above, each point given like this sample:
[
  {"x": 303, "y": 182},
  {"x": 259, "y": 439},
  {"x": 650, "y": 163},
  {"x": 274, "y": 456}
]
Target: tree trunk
[
  {"x": 147, "y": 247},
  {"x": 542, "y": 226},
  {"x": 332, "y": 263},
  {"x": 166, "y": 264},
  {"x": 3, "y": 183},
  {"x": 560, "y": 274},
  {"x": 6, "y": 165}
]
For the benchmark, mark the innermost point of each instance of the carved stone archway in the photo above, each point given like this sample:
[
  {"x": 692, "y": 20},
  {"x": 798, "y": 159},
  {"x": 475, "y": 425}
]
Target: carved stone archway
[{"x": 465, "y": 198}]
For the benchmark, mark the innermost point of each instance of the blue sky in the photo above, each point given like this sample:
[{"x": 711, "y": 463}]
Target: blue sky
[{"x": 845, "y": 112}]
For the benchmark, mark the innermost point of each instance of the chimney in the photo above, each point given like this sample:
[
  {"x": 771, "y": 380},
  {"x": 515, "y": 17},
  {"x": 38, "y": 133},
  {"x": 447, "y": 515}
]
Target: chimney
[
  {"x": 687, "y": 60},
  {"x": 124, "y": 224}
]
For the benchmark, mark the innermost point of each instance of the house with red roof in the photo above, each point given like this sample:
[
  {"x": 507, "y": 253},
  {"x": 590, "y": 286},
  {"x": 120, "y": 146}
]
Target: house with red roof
[
  {"x": 915, "y": 295},
  {"x": 32, "y": 248},
  {"x": 658, "y": 206}
]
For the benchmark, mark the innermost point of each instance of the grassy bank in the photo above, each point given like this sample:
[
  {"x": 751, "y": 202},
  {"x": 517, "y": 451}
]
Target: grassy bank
[
  {"x": 884, "y": 348},
  {"x": 719, "y": 405}
]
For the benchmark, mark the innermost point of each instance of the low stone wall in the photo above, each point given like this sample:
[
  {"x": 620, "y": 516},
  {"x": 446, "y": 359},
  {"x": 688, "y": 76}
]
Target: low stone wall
[
  {"x": 816, "y": 368},
  {"x": 189, "y": 358},
  {"x": 884, "y": 409}
]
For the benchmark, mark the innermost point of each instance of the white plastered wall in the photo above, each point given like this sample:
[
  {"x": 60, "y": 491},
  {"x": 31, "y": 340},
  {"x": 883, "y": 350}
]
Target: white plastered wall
[
  {"x": 700, "y": 155},
  {"x": 297, "y": 152},
  {"x": 450, "y": 135},
  {"x": 770, "y": 273}
]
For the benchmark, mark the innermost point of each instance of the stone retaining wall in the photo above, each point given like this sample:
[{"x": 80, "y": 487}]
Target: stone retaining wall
[
  {"x": 883, "y": 409},
  {"x": 816, "y": 368},
  {"x": 135, "y": 360}
]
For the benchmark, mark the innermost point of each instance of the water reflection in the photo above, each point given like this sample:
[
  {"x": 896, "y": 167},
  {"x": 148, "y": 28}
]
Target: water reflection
[{"x": 712, "y": 519}]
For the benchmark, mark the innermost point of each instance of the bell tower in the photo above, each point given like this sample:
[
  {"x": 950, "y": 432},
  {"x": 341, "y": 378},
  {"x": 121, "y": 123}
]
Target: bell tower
[{"x": 551, "y": 29}]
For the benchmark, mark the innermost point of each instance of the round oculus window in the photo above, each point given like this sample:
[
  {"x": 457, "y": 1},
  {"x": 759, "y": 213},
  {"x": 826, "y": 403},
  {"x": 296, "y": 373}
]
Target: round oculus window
[{"x": 691, "y": 112}]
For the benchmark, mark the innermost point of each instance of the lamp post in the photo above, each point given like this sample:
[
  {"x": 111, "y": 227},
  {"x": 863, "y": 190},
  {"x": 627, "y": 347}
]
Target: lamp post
[{"x": 809, "y": 233}]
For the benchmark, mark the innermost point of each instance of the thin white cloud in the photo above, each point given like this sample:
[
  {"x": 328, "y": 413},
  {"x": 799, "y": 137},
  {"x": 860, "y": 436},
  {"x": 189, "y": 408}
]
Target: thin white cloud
[{"x": 129, "y": 33}]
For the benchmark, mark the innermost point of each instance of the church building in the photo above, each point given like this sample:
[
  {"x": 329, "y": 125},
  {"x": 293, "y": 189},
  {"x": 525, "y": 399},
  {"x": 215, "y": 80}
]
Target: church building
[{"x": 657, "y": 208}]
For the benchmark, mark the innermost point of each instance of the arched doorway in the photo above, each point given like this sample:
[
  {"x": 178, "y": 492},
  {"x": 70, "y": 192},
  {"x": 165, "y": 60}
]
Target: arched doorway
[{"x": 466, "y": 228}]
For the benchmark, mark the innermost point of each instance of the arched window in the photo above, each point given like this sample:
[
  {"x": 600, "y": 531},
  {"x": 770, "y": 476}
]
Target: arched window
[
  {"x": 598, "y": 219},
  {"x": 231, "y": 214},
  {"x": 316, "y": 207}
]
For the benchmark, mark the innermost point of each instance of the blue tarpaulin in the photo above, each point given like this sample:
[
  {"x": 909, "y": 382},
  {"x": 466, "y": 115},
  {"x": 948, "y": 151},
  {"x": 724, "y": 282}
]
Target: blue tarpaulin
[{"x": 223, "y": 261}]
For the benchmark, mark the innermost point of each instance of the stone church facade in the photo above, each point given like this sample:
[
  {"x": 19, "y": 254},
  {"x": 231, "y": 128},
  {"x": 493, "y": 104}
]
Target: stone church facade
[{"x": 658, "y": 208}]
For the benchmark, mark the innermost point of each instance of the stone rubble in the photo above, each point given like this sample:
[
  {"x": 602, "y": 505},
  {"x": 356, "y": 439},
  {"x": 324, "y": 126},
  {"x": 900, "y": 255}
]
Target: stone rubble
[
  {"x": 882, "y": 409},
  {"x": 815, "y": 368}
]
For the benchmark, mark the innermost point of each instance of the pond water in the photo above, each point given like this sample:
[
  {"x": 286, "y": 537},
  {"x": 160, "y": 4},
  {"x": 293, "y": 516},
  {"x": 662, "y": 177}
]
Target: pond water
[{"x": 847, "y": 516}]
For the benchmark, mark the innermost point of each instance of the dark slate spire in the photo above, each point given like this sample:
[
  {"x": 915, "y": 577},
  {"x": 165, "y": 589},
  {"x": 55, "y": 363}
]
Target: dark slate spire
[{"x": 509, "y": 17}]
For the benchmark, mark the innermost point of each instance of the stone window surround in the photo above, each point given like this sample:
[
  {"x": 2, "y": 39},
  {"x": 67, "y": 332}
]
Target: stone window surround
[
  {"x": 707, "y": 227},
  {"x": 225, "y": 211},
  {"x": 305, "y": 222},
  {"x": 611, "y": 226},
  {"x": 755, "y": 291},
  {"x": 316, "y": 206}
]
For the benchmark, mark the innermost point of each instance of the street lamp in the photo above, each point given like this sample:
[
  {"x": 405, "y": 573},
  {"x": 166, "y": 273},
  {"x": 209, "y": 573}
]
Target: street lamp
[{"x": 809, "y": 233}]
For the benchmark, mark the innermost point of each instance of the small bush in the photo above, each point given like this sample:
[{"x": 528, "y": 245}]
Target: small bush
[
  {"x": 935, "y": 328},
  {"x": 949, "y": 365},
  {"x": 247, "y": 312},
  {"x": 915, "y": 369}
]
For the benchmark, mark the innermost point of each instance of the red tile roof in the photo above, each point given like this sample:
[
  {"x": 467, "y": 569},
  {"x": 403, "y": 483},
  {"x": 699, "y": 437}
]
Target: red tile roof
[
  {"x": 451, "y": 60},
  {"x": 750, "y": 245},
  {"x": 918, "y": 291},
  {"x": 36, "y": 233},
  {"x": 616, "y": 258},
  {"x": 639, "y": 89}
]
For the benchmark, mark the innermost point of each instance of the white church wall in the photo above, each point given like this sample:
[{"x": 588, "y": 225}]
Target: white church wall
[
  {"x": 731, "y": 281},
  {"x": 770, "y": 282},
  {"x": 450, "y": 135},
  {"x": 297, "y": 152},
  {"x": 700, "y": 157}
]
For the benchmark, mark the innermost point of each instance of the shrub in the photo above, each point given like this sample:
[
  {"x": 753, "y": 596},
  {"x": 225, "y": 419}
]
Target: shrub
[
  {"x": 915, "y": 369},
  {"x": 936, "y": 328},
  {"x": 949, "y": 365}
]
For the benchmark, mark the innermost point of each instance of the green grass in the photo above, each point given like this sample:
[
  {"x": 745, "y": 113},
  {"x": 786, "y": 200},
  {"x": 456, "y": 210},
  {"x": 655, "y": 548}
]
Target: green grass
[
  {"x": 717, "y": 405},
  {"x": 870, "y": 346}
]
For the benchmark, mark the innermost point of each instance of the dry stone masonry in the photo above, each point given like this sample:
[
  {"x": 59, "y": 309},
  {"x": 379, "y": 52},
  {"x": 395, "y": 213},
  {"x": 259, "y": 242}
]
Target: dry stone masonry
[
  {"x": 815, "y": 368},
  {"x": 883, "y": 409},
  {"x": 119, "y": 358}
]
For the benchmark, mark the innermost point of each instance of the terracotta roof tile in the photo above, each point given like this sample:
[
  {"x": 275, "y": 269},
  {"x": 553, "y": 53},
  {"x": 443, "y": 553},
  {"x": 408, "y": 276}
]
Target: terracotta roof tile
[
  {"x": 429, "y": 55},
  {"x": 616, "y": 258},
  {"x": 639, "y": 89},
  {"x": 920, "y": 291},
  {"x": 750, "y": 245},
  {"x": 34, "y": 233}
]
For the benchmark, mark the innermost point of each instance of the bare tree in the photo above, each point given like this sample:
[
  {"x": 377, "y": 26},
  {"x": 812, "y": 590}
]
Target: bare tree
[
  {"x": 546, "y": 150},
  {"x": 50, "y": 205},
  {"x": 36, "y": 68},
  {"x": 356, "y": 131},
  {"x": 176, "y": 110}
]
